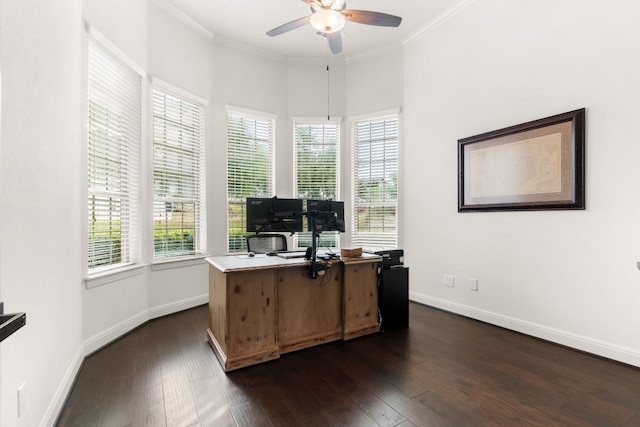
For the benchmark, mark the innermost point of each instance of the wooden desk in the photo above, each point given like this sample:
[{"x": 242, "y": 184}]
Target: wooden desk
[{"x": 264, "y": 306}]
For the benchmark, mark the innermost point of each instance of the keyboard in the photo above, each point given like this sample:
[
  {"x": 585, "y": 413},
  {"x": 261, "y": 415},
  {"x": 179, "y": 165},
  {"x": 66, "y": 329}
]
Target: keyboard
[{"x": 293, "y": 254}]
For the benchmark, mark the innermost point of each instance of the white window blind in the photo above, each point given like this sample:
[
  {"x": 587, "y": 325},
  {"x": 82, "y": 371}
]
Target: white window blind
[
  {"x": 250, "y": 168},
  {"x": 316, "y": 169},
  {"x": 179, "y": 225},
  {"x": 114, "y": 117},
  {"x": 375, "y": 183}
]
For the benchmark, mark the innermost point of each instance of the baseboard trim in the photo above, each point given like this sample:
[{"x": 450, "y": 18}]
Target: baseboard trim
[
  {"x": 105, "y": 337},
  {"x": 98, "y": 341},
  {"x": 63, "y": 390},
  {"x": 579, "y": 342},
  {"x": 175, "y": 307}
]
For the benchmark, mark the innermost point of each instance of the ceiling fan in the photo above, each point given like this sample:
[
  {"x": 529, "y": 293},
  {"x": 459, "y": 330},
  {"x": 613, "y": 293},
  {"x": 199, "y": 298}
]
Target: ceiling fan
[{"x": 329, "y": 17}]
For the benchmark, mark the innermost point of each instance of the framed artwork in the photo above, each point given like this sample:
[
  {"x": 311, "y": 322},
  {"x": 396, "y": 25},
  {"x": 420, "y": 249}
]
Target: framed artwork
[{"x": 537, "y": 165}]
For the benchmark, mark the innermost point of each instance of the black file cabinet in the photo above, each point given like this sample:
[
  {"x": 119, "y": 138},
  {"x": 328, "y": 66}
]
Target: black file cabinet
[{"x": 393, "y": 297}]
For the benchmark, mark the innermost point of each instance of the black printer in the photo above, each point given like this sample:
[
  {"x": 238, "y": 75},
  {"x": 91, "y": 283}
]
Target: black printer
[{"x": 391, "y": 258}]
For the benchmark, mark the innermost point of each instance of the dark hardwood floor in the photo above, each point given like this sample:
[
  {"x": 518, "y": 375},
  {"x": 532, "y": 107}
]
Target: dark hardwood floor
[{"x": 444, "y": 370}]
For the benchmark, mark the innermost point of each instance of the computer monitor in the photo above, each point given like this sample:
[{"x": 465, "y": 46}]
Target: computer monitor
[
  {"x": 274, "y": 214},
  {"x": 328, "y": 215}
]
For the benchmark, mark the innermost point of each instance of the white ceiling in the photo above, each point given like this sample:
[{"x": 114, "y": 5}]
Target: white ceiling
[{"x": 247, "y": 21}]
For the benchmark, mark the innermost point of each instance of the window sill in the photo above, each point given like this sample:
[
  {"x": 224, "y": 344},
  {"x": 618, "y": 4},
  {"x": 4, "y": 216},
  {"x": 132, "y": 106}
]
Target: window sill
[
  {"x": 178, "y": 262},
  {"x": 113, "y": 275}
]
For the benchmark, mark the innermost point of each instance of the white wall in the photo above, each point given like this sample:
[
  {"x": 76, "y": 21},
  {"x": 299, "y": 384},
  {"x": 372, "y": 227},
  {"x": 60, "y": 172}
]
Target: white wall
[
  {"x": 373, "y": 84},
  {"x": 40, "y": 237},
  {"x": 242, "y": 79},
  {"x": 181, "y": 57},
  {"x": 171, "y": 53},
  {"x": 317, "y": 94},
  {"x": 42, "y": 162},
  {"x": 568, "y": 276},
  {"x": 114, "y": 308},
  {"x": 178, "y": 54},
  {"x": 123, "y": 22},
  {"x": 1, "y": 194}
]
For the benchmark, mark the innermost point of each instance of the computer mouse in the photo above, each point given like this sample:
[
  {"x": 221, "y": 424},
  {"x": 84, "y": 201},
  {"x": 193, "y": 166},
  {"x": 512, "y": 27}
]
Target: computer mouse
[{"x": 251, "y": 254}]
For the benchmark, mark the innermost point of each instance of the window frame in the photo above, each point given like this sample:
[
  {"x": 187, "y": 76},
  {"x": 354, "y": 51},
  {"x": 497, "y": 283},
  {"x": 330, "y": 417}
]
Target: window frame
[
  {"x": 314, "y": 122},
  {"x": 199, "y": 175},
  {"x": 357, "y": 238},
  {"x": 98, "y": 48}
]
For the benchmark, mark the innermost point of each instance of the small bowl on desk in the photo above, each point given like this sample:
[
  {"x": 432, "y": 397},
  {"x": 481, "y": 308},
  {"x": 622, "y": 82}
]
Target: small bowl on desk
[{"x": 351, "y": 252}]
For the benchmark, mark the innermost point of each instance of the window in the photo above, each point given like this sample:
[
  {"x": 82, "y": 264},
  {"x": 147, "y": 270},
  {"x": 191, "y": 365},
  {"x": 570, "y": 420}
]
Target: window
[
  {"x": 317, "y": 165},
  {"x": 375, "y": 183},
  {"x": 250, "y": 171},
  {"x": 113, "y": 159},
  {"x": 178, "y": 176}
]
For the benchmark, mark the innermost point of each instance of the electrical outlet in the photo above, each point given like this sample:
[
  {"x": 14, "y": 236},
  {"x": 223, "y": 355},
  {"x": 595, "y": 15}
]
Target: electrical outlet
[
  {"x": 448, "y": 280},
  {"x": 22, "y": 399},
  {"x": 473, "y": 284}
]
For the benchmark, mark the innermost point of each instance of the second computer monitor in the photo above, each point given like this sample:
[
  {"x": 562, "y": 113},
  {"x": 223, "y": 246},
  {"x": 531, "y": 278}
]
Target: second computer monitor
[{"x": 328, "y": 215}]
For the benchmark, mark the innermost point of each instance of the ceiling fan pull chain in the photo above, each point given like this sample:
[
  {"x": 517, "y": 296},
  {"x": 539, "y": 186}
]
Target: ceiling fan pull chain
[{"x": 328, "y": 95}]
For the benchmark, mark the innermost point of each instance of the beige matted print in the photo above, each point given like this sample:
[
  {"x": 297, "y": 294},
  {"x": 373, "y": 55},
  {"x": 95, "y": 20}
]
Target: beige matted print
[{"x": 535, "y": 165}]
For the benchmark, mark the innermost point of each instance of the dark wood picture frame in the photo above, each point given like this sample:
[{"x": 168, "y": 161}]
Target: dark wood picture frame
[{"x": 537, "y": 165}]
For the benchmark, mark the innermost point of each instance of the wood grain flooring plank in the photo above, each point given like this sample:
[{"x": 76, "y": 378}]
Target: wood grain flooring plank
[
  {"x": 353, "y": 378},
  {"x": 148, "y": 393},
  {"x": 179, "y": 402},
  {"x": 593, "y": 408},
  {"x": 117, "y": 403},
  {"x": 248, "y": 414},
  {"x": 634, "y": 420},
  {"x": 402, "y": 374},
  {"x": 231, "y": 384},
  {"x": 444, "y": 370},
  {"x": 80, "y": 411},
  {"x": 300, "y": 394},
  {"x": 365, "y": 380},
  {"x": 575, "y": 382},
  {"x": 200, "y": 361},
  {"x": 275, "y": 397},
  {"x": 319, "y": 381},
  {"x": 212, "y": 407}
]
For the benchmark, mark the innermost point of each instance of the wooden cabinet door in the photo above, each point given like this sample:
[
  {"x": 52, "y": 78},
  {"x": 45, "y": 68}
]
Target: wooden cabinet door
[
  {"x": 360, "y": 302},
  {"x": 309, "y": 310}
]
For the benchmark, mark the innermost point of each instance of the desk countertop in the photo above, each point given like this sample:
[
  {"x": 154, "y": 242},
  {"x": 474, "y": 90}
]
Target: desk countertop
[{"x": 230, "y": 263}]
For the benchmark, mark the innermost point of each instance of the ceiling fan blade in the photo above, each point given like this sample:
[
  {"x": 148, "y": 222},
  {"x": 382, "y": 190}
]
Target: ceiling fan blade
[
  {"x": 372, "y": 18},
  {"x": 314, "y": 4},
  {"x": 289, "y": 26},
  {"x": 338, "y": 4},
  {"x": 335, "y": 42}
]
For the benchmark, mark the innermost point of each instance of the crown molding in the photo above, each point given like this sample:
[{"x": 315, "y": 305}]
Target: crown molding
[
  {"x": 248, "y": 48},
  {"x": 374, "y": 53},
  {"x": 429, "y": 26},
  {"x": 184, "y": 18},
  {"x": 437, "y": 21},
  {"x": 336, "y": 59},
  {"x": 268, "y": 54}
]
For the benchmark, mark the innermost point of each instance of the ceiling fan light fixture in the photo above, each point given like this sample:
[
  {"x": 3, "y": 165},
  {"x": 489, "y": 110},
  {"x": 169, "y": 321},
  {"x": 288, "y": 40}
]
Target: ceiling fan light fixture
[{"x": 328, "y": 21}]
